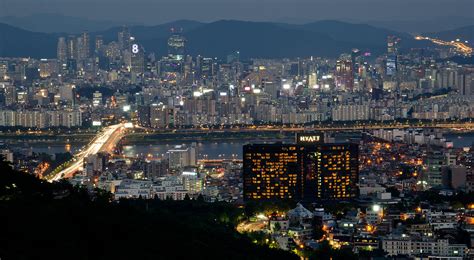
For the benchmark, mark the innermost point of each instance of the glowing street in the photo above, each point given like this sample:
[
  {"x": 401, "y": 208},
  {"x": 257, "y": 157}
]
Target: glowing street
[{"x": 105, "y": 141}]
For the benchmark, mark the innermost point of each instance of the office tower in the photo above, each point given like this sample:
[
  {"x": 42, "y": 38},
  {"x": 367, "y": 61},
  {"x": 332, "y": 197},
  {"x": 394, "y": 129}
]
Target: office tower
[
  {"x": 393, "y": 43},
  {"x": 124, "y": 38},
  {"x": 62, "y": 49},
  {"x": 391, "y": 65},
  {"x": 308, "y": 170},
  {"x": 137, "y": 62},
  {"x": 176, "y": 46},
  {"x": 344, "y": 74},
  {"x": 99, "y": 43},
  {"x": 272, "y": 172},
  {"x": 71, "y": 47}
]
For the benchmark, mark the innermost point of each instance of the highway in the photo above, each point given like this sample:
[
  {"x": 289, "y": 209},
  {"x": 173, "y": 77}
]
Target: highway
[
  {"x": 105, "y": 141},
  {"x": 350, "y": 127},
  {"x": 460, "y": 46}
]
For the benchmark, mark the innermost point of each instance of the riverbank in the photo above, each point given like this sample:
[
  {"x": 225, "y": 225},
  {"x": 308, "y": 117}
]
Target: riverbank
[{"x": 144, "y": 138}]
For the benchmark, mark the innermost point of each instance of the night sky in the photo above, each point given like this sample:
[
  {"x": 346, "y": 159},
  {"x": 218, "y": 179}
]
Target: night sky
[{"x": 157, "y": 11}]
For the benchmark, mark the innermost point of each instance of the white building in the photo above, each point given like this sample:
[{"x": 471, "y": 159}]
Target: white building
[
  {"x": 442, "y": 220},
  {"x": 441, "y": 247},
  {"x": 7, "y": 155},
  {"x": 132, "y": 189},
  {"x": 182, "y": 156},
  {"x": 170, "y": 187}
]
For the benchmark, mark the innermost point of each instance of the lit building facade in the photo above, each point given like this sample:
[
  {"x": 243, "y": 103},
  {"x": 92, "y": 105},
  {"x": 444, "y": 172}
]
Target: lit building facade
[
  {"x": 303, "y": 171},
  {"x": 271, "y": 171},
  {"x": 331, "y": 171},
  {"x": 62, "y": 49},
  {"x": 176, "y": 47},
  {"x": 344, "y": 74}
]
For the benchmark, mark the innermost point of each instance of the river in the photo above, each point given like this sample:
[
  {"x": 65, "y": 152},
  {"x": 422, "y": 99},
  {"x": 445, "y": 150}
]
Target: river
[{"x": 206, "y": 149}]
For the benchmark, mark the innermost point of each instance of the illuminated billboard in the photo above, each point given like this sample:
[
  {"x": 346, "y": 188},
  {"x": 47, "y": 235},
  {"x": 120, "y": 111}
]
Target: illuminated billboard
[{"x": 309, "y": 138}]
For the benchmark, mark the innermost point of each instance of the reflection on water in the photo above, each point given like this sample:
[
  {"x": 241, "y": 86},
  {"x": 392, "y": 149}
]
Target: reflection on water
[
  {"x": 52, "y": 149},
  {"x": 210, "y": 150},
  {"x": 461, "y": 140},
  {"x": 205, "y": 150}
]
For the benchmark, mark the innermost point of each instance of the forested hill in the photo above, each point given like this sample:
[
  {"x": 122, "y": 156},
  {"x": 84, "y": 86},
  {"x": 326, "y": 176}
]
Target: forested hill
[{"x": 40, "y": 220}]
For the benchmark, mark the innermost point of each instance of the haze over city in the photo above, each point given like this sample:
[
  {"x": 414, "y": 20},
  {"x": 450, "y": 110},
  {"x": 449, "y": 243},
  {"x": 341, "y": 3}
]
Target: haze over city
[{"x": 159, "y": 11}]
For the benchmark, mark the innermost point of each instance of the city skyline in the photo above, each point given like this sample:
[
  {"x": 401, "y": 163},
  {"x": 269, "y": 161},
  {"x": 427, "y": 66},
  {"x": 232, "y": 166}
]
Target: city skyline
[{"x": 237, "y": 139}]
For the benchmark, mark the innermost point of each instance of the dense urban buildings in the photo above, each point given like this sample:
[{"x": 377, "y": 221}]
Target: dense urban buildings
[{"x": 366, "y": 153}]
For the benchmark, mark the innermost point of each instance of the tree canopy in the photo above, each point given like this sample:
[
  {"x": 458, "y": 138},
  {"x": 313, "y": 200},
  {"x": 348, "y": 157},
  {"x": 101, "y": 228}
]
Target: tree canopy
[{"x": 41, "y": 220}]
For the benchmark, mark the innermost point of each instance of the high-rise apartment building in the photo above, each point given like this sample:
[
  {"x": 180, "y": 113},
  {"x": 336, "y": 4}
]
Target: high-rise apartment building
[
  {"x": 62, "y": 49},
  {"x": 71, "y": 47},
  {"x": 9, "y": 93},
  {"x": 124, "y": 38},
  {"x": 99, "y": 43},
  {"x": 83, "y": 46}
]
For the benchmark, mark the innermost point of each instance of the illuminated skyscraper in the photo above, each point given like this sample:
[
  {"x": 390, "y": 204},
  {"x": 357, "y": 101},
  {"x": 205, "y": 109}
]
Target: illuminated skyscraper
[
  {"x": 176, "y": 46},
  {"x": 62, "y": 49},
  {"x": 137, "y": 59},
  {"x": 393, "y": 43},
  {"x": 309, "y": 171},
  {"x": 344, "y": 74},
  {"x": 391, "y": 65}
]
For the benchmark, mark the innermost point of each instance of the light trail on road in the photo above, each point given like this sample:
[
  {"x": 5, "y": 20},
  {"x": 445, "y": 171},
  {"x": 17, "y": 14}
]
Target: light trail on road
[
  {"x": 462, "y": 47},
  {"x": 105, "y": 141}
]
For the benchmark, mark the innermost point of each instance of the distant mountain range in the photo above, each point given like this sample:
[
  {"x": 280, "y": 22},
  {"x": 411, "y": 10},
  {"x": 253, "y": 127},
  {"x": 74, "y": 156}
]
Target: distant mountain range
[
  {"x": 435, "y": 24},
  {"x": 16, "y": 42},
  {"x": 217, "y": 39},
  {"x": 57, "y": 23}
]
